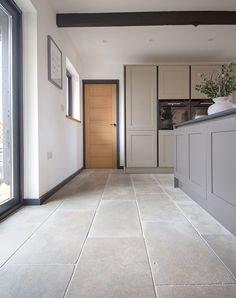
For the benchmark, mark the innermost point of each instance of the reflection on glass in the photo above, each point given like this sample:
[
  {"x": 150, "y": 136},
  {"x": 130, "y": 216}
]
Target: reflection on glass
[{"x": 5, "y": 107}]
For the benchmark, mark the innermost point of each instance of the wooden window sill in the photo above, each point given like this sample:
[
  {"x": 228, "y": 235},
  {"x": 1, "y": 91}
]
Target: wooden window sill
[{"x": 73, "y": 119}]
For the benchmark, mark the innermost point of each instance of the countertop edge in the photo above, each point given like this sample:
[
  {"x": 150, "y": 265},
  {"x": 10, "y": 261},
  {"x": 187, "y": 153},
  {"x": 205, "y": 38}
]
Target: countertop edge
[{"x": 206, "y": 118}]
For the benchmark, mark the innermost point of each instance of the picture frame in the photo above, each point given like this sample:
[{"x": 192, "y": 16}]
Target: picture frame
[{"x": 54, "y": 63}]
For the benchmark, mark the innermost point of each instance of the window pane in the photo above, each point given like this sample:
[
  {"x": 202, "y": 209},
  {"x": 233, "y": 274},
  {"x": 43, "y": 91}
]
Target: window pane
[{"x": 6, "y": 180}]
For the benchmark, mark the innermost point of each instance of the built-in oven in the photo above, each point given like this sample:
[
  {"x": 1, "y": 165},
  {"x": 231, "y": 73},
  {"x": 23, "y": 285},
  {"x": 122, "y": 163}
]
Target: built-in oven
[
  {"x": 199, "y": 108},
  {"x": 172, "y": 112}
]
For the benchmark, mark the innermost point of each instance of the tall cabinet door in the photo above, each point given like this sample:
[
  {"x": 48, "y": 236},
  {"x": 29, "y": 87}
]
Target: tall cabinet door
[
  {"x": 141, "y": 116},
  {"x": 141, "y": 97}
]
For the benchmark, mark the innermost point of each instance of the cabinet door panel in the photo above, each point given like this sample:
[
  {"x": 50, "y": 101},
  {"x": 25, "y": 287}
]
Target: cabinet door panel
[
  {"x": 173, "y": 82},
  {"x": 181, "y": 154},
  {"x": 166, "y": 148},
  {"x": 141, "y": 149},
  {"x": 197, "y": 159},
  {"x": 196, "y": 71},
  {"x": 141, "y": 97}
]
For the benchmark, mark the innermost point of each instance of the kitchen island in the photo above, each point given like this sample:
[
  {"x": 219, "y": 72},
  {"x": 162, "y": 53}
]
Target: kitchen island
[{"x": 205, "y": 164}]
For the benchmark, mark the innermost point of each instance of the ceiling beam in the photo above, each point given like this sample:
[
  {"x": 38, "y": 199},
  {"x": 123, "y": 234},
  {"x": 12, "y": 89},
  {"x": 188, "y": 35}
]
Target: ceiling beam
[{"x": 152, "y": 18}]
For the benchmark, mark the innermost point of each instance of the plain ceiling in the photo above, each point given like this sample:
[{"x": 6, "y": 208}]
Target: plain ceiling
[{"x": 128, "y": 45}]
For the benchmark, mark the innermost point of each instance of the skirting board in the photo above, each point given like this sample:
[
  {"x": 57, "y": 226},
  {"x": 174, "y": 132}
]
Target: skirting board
[
  {"x": 46, "y": 196},
  {"x": 149, "y": 170}
]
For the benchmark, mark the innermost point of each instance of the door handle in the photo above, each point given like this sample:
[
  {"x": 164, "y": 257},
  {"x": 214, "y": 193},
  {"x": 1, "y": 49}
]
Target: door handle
[{"x": 113, "y": 124}]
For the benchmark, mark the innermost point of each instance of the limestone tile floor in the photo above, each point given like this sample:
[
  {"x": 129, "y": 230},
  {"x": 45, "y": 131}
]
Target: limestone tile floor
[{"x": 110, "y": 234}]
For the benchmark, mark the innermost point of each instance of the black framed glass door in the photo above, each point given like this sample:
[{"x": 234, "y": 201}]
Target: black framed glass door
[{"x": 10, "y": 105}]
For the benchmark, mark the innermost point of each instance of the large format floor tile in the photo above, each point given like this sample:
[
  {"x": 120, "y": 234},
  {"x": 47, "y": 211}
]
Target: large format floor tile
[
  {"x": 119, "y": 180},
  {"x": 38, "y": 281},
  {"x": 143, "y": 178},
  {"x": 116, "y": 268},
  {"x": 179, "y": 256},
  {"x": 202, "y": 220},
  {"x": 58, "y": 241},
  {"x": 116, "y": 219},
  {"x": 153, "y": 210},
  {"x": 81, "y": 204},
  {"x": 147, "y": 187},
  {"x": 125, "y": 192},
  {"x": 225, "y": 248},
  {"x": 213, "y": 291},
  {"x": 122, "y": 234},
  {"x": 16, "y": 229}
]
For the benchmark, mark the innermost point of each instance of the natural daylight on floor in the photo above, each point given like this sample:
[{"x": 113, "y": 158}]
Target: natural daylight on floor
[{"x": 110, "y": 234}]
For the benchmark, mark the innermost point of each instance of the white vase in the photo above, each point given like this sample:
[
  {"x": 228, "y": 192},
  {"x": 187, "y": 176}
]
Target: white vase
[{"x": 220, "y": 104}]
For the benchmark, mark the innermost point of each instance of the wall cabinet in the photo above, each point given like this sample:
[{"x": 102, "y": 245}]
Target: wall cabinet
[
  {"x": 141, "y": 148},
  {"x": 173, "y": 82},
  {"x": 196, "y": 71},
  {"x": 141, "y": 97},
  {"x": 166, "y": 148}
]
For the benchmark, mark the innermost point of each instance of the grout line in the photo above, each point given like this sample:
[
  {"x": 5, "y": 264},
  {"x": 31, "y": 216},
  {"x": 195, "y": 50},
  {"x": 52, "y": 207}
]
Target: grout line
[
  {"x": 85, "y": 241},
  {"x": 197, "y": 285},
  {"x": 145, "y": 244},
  {"x": 204, "y": 240},
  {"x": 31, "y": 235}
]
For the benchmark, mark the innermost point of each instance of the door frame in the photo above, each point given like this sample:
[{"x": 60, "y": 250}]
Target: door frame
[
  {"x": 17, "y": 75},
  {"x": 113, "y": 82}
]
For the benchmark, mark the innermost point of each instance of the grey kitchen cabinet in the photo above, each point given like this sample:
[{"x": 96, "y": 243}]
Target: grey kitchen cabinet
[
  {"x": 166, "y": 148},
  {"x": 141, "y": 148},
  {"x": 173, "y": 82},
  {"x": 141, "y": 116},
  {"x": 141, "y": 97},
  {"x": 205, "y": 165}
]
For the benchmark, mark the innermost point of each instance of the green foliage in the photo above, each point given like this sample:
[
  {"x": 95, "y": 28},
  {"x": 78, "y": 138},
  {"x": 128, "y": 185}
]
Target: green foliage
[
  {"x": 222, "y": 85},
  {"x": 167, "y": 113}
]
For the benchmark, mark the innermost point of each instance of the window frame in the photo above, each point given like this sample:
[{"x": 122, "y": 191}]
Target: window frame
[
  {"x": 73, "y": 93},
  {"x": 17, "y": 109},
  {"x": 69, "y": 95}
]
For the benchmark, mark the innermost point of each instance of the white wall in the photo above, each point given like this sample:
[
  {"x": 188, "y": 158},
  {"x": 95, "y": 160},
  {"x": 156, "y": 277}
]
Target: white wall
[{"x": 47, "y": 129}]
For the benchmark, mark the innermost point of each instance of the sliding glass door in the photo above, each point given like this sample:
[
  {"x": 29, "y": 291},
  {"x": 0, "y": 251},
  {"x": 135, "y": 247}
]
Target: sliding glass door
[{"x": 10, "y": 107}]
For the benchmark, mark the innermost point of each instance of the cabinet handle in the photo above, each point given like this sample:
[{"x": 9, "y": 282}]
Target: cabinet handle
[
  {"x": 173, "y": 103},
  {"x": 113, "y": 124}
]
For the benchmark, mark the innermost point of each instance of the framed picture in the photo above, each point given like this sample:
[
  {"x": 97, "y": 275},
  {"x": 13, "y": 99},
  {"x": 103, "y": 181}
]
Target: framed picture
[{"x": 54, "y": 63}]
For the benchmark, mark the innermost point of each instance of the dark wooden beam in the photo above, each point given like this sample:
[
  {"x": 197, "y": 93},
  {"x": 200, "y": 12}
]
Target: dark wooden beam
[{"x": 153, "y": 18}]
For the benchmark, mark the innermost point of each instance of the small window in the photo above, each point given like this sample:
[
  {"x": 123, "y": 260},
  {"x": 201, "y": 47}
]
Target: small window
[
  {"x": 69, "y": 95},
  {"x": 73, "y": 93}
]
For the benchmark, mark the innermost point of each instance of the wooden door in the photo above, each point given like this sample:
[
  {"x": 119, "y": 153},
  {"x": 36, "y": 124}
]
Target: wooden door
[
  {"x": 100, "y": 126},
  {"x": 174, "y": 82}
]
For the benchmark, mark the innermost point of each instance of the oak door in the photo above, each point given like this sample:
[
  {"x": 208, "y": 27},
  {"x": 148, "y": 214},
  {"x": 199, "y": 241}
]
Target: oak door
[{"x": 100, "y": 126}]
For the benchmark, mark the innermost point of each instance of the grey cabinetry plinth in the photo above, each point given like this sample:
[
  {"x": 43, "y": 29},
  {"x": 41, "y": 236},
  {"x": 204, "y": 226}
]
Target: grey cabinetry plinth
[{"x": 205, "y": 166}]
